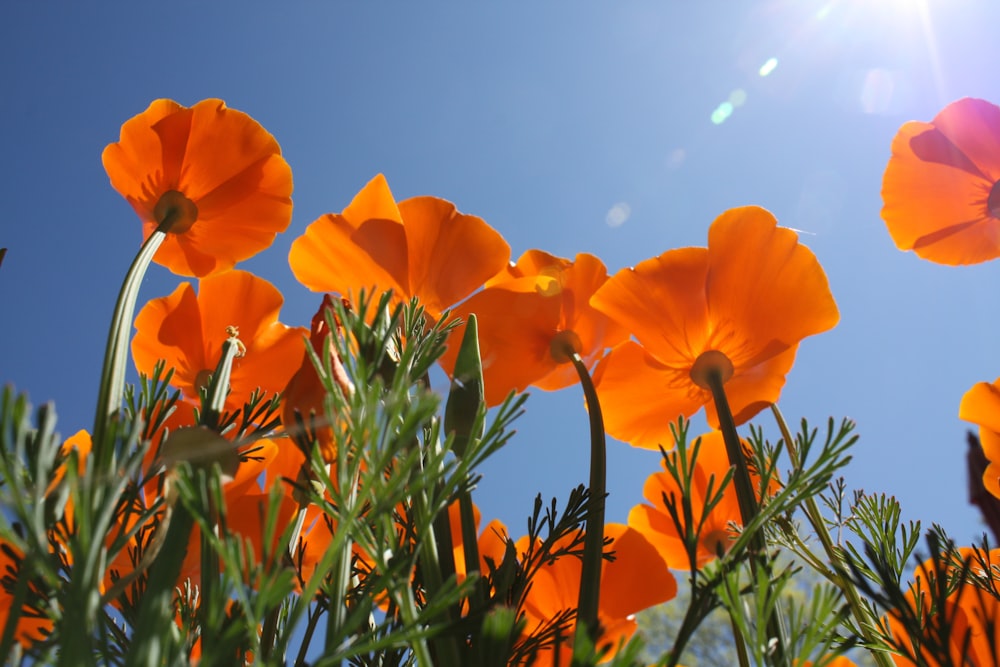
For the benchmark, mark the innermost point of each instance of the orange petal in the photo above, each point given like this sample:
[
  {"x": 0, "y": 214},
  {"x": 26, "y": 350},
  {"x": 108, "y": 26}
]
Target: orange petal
[
  {"x": 764, "y": 286},
  {"x": 638, "y": 578},
  {"x": 662, "y": 302},
  {"x": 516, "y": 321},
  {"x": 981, "y": 405},
  {"x": 450, "y": 254},
  {"x": 361, "y": 249},
  {"x": 220, "y": 159},
  {"x": 641, "y": 398}
]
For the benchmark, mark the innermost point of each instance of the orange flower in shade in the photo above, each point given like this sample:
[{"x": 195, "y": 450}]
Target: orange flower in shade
[
  {"x": 421, "y": 247},
  {"x": 528, "y": 314},
  {"x": 187, "y": 332},
  {"x": 214, "y": 171},
  {"x": 636, "y": 579},
  {"x": 941, "y": 189},
  {"x": 753, "y": 294},
  {"x": 656, "y": 524},
  {"x": 32, "y": 625},
  {"x": 981, "y": 405},
  {"x": 973, "y": 612},
  {"x": 306, "y": 392}
]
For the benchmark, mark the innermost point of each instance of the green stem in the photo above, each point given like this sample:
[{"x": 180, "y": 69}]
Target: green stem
[
  {"x": 864, "y": 620},
  {"x": 593, "y": 544},
  {"x": 747, "y": 500},
  {"x": 109, "y": 393}
]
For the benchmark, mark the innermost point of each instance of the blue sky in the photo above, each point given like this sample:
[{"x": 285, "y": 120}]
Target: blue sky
[{"x": 548, "y": 120}]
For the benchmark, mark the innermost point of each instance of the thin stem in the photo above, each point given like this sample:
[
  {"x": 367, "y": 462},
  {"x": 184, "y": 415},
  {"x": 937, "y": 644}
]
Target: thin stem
[
  {"x": 747, "y": 499},
  {"x": 112, "y": 385},
  {"x": 864, "y": 620},
  {"x": 593, "y": 544}
]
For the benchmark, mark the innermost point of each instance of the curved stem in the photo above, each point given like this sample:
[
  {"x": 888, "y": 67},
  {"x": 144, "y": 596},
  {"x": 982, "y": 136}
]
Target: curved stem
[
  {"x": 109, "y": 393},
  {"x": 864, "y": 620},
  {"x": 747, "y": 499},
  {"x": 593, "y": 544}
]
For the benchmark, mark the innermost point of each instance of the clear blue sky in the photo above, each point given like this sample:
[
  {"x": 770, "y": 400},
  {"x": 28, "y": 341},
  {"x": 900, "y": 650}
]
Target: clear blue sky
[{"x": 542, "y": 118}]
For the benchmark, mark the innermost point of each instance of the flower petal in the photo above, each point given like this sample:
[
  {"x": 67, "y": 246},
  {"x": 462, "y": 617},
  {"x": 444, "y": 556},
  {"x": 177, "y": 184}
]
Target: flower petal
[
  {"x": 450, "y": 254},
  {"x": 641, "y": 397}
]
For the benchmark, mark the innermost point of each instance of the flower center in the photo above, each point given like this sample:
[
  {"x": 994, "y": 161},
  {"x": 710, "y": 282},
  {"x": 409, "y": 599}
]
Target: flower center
[
  {"x": 563, "y": 345},
  {"x": 175, "y": 211},
  {"x": 708, "y": 364},
  {"x": 993, "y": 203},
  {"x": 717, "y": 541}
]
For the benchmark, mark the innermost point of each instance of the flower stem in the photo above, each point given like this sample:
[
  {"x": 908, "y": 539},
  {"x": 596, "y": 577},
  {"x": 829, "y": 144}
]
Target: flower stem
[
  {"x": 864, "y": 620},
  {"x": 109, "y": 394},
  {"x": 747, "y": 499},
  {"x": 593, "y": 544}
]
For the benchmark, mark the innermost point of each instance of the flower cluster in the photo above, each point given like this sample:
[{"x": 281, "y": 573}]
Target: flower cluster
[{"x": 270, "y": 474}]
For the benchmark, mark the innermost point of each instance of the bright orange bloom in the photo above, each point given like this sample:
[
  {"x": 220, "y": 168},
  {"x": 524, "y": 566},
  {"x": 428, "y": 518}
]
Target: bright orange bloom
[
  {"x": 421, "y": 247},
  {"x": 981, "y": 405},
  {"x": 656, "y": 524},
  {"x": 753, "y": 294},
  {"x": 188, "y": 331},
  {"x": 941, "y": 189},
  {"x": 306, "y": 392},
  {"x": 636, "y": 579},
  {"x": 528, "y": 315},
  {"x": 214, "y": 171}
]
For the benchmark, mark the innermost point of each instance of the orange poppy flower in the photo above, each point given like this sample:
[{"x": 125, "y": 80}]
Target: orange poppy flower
[
  {"x": 187, "y": 332},
  {"x": 974, "y": 614},
  {"x": 656, "y": 525},
  {"x": 753, "y": 294},
  {"x": 981, "y": 405},
  {"x": 528, "y": 314},
  {"x": 305, "y": 393},
  {"x": 32, "y": 625},
  {"x": 941, "y": 189},
  {"x": 636, "y": 579},
  {"x": 421, "y": 247},
  {"x": 215, "y": 171}
]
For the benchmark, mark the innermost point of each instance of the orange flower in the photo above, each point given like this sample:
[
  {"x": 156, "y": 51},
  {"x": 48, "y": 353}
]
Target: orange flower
[
  {"x": 981, "y": 405},
  {"x": 306, "y": 392},
  {"x": 973, "y": 612},
  {"x": 635, "y": 580},
  {"x": 214, "y": 171},
  {"x": 528, "y": 315},
  {"x": 941, "y": 189},
  {"x": 753, "y": 294},
  {"x": 656, "y": 524},
  {"x": 188, "y": 331},
  {"x": 421, "y": 247},
  {"x": 32, "y": 625}
]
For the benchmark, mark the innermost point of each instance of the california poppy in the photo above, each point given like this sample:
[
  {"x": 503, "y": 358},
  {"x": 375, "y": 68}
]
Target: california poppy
[
  {"x": 214, "y": 171},
  {"x": 971, "y": 611},
  {"x": 306, "y": 392},
  {"x": 657, "y": 525},
  {"x": 529, "y": 316},
  {"x": 32, "y": 624},
  {"x": 752, "y": 295},
  {"x": 422, "y": 247},
  {"x": 636, "y": 579},
  {"x": 941, "y": 189},
  {"x": 981, "y": 405},
  {"x": 187, "y": 331}
]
